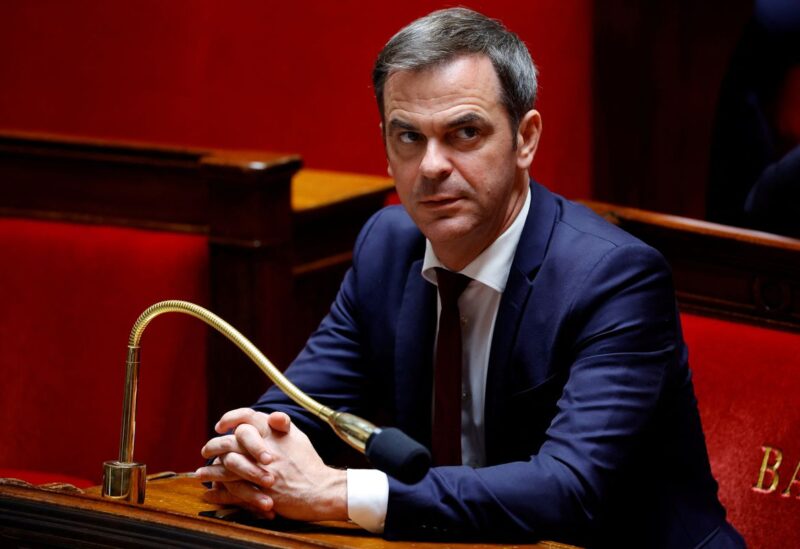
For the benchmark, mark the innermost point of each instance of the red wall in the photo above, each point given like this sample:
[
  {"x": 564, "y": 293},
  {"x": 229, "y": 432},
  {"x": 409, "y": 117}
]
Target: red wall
[{"x": 288, "y": 76}]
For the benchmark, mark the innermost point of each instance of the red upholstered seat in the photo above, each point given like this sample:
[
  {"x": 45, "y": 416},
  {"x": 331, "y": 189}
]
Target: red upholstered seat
[
  {"x": 747, "y": 381},
  {"x": 69, "y": 295}
]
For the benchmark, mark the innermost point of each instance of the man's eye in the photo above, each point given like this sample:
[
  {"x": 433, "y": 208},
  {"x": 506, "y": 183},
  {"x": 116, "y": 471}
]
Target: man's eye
[
  {"x": 409, "y": 137},
  {"x": 467, "y": 132}
]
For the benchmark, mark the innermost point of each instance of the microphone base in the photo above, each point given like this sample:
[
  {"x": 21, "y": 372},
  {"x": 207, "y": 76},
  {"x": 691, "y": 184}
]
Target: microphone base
[{"x": 124, "y": 481}]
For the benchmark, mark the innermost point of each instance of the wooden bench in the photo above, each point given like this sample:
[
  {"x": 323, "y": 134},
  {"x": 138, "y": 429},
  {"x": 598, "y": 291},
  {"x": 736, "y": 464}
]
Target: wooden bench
[
  {"x": 739, "y": 294},
  {"x": 92, "y": 232}
]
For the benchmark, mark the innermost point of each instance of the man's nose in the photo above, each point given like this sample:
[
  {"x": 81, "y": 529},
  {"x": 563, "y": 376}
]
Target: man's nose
[{"x": 435, "y": 165}]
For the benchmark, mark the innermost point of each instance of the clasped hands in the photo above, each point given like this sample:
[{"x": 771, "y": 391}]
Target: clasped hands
[{"x": 267, "y": 465}]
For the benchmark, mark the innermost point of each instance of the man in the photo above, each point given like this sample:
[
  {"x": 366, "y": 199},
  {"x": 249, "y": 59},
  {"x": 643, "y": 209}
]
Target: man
[{"x": 578, "y": 420}]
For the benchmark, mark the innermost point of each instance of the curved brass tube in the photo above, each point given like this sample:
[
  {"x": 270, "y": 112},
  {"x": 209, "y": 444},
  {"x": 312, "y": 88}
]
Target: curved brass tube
[
  {"x": 238, "y": 339},
  {"x": 125, "y": 479}
]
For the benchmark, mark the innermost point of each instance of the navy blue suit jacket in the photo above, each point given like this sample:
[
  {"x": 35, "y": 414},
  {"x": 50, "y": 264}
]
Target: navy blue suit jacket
[{"x": 592, "y": 429}]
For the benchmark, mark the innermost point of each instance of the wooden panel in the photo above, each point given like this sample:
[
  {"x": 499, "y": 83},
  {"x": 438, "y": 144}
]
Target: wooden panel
[
  {"x": 724, "y": 271},
  {"x": 330, "y": 208},
  {"x": 147, "y": 186}
]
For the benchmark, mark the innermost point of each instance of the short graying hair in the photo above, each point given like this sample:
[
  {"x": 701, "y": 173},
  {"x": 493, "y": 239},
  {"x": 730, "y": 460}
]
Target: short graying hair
[{"x": 446, "y": 34}]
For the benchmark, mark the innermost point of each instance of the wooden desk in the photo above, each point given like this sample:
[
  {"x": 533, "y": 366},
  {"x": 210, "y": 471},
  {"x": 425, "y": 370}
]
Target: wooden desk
[
  {"x": 317, "y": 189},
  {"x": 170, "y": 517}
]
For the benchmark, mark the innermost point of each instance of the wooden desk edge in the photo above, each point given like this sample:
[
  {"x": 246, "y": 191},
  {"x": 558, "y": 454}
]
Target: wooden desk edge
[
  {"x": 58, "y": 506},
  {"x": 314, "y": 189},
  {"x": 677, "y": 223},
  {"x": 165, "y": 509}
]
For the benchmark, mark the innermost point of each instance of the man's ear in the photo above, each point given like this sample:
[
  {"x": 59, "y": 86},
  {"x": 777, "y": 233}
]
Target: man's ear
[{"x": 530, "y": 129}]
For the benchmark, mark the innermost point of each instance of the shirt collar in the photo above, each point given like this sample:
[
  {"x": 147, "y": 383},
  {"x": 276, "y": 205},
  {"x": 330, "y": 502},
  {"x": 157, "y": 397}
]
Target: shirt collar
[{"x": 492, "y": 266}]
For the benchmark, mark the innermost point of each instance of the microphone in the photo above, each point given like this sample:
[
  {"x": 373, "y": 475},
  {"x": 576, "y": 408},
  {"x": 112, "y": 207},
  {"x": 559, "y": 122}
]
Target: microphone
[
  {"x": 398, "y": 455},
  {"x": 389, "y": 450}
]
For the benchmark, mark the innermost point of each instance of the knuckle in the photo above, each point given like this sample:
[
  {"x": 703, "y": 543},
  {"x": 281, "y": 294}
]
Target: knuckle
[
  {"x": 224, "y": 444},
  {"x": 235, "y": 415},
  {"x": 229, "y": 461},
  {"x": 261, "y": 416}
]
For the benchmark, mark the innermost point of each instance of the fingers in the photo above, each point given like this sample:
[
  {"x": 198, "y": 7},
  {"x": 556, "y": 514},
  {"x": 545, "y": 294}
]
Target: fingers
[
  {"x": 246, "y": 469},
  {"x": 246, "y": 440},
  {"x": 221, "y": 445},
  {"x": 242, "y": 494},
  {"x": 234, "y": 418},
  {"x": 215, "y": 473},
  {"x": 279, "y": 422},
  {"x": 235, "y": 458},
  {"x": 251, "y": 441}
]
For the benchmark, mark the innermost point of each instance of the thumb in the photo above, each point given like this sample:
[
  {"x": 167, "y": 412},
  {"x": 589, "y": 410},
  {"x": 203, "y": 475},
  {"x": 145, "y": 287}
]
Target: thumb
[{"x": 279, "y": 421}]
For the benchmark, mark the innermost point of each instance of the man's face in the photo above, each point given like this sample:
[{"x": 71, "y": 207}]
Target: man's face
[{"x": 451, "y": 152}]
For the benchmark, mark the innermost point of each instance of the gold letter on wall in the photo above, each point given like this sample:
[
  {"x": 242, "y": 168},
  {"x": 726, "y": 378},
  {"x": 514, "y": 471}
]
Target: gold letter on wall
[
  {"x": 772, "y": 469},
  {"x": 788, "y": 492}
]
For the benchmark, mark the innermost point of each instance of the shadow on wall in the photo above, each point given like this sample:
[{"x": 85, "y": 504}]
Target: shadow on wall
[{"x": 755, "y": 153}]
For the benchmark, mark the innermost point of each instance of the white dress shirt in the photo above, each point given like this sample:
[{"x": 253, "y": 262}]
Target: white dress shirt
[{"x": 368, "y": 489}]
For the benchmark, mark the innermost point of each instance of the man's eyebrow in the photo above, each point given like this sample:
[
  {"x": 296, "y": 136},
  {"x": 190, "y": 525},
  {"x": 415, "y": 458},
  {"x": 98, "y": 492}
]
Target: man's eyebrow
[
  {"x": 396, "y": 124},
  {"x": 465, "y": 119}
]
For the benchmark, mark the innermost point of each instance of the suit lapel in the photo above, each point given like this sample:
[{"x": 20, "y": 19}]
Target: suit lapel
[
  {"x": 528, "y": 258},
  {"x": 416, "y": 324}
]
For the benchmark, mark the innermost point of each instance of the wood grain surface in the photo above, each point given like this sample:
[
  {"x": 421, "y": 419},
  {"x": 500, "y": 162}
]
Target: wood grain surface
[{"x": 174, "y": 514}]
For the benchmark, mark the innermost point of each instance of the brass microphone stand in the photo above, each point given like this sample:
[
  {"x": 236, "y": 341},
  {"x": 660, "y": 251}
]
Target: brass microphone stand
[{"x": 125, "y": 479}]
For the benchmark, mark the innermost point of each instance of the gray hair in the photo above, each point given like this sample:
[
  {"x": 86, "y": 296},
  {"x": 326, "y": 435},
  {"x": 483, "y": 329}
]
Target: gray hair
[{"x": 446, "y": 34}]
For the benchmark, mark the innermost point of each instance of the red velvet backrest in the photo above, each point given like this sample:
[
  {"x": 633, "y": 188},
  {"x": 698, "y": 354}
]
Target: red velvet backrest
[
  {"x": 747, "y": 381},
  {"x": 69, "y": 295}
]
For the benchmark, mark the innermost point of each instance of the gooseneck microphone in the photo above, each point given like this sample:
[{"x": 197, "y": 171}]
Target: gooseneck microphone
[
  {"x": 398, "y": 455},
  {"x": 389, "y": 449}
]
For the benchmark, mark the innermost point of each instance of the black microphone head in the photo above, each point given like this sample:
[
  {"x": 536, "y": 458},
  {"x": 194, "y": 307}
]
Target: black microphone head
[{"x": 398, "y": 455}]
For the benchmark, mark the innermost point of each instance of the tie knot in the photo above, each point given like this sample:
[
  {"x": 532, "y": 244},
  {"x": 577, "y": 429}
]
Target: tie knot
[{"x": 451, "y": 285}]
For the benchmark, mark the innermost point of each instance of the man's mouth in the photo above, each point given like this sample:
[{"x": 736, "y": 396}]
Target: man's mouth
[{"x": 436, "y": 201}]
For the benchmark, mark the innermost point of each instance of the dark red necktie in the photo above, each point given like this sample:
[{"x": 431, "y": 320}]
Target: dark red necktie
[{"x": 447, "y": 371}]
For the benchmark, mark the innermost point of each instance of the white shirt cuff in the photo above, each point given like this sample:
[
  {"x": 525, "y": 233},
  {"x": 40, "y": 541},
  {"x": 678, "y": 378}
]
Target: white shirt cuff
[{"x": 367, "y": 498}]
